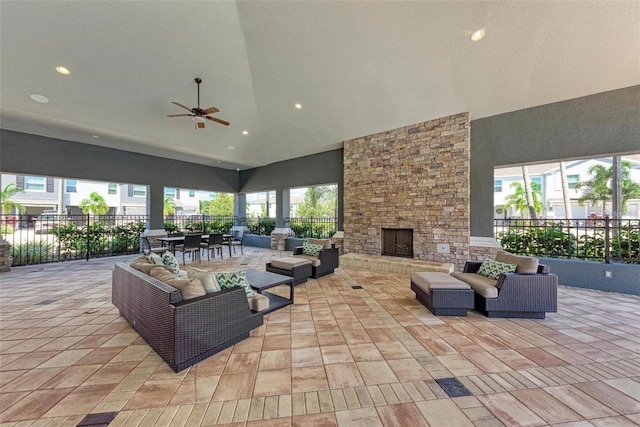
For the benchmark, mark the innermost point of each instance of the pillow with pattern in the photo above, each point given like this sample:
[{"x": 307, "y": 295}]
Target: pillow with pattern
[
  {"x": 155, "y": 258},
  {"x": 169, "y": 259},
  {"x": 311, "y": 249},
  {"x": 493, "y": 269},
  {"x": 235, "y": 278}
]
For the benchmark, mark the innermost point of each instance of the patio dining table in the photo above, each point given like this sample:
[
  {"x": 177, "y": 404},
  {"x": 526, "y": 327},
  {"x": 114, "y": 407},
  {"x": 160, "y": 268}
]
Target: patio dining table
[{"x": 178, "y": 240}]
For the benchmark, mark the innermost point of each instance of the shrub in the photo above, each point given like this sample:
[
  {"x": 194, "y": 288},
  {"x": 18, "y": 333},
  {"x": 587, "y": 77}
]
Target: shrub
[{"x": 32, "y": 253}]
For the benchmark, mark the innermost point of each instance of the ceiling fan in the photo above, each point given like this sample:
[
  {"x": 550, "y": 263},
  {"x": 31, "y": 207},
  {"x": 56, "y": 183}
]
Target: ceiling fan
[{"x": 197, "y": 114}]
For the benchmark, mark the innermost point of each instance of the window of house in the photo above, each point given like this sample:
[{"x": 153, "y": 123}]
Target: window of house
[
  {"x": 497, "y": 186},
  {"x": 573, "y": 181},
  {"x": 34, "y": 183},
  {"x": 192, "y": 193},
  {"x": 170, "y": 192},
  {"x": 139, "y": 191},
  {"x": 71, "y": 186},
  {"x": 112, "y": 188}
]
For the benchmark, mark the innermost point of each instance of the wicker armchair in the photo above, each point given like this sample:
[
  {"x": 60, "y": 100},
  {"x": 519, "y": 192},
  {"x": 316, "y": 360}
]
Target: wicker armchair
[
  {"x": 327, "y": 260},
  {"x": 519, "y": 295},
  {"x": 181, "y": 332}
]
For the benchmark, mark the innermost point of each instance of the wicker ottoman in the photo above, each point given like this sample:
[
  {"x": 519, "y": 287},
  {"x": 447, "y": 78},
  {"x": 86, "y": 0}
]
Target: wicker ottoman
[
  {"x": 442, "y": 294},
  {"x": 298, "y": 268}
]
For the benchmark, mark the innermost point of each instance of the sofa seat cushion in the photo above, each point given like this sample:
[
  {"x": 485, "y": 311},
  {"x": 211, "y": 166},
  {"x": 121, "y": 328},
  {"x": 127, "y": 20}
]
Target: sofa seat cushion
[
  {"x": 288, "y": 263},
  {"x": 315, "y": 261},
  {"x": 189, "y": 288},
  {"x": 483, "y": 286},
  {"x": 429, "y": 280},
  {"x": 524, "y": 264},
  {"x": 258, "y": 302}
]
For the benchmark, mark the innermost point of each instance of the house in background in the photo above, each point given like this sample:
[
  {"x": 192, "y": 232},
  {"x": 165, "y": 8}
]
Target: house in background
[
  {"x": 63, "y": 195},
  {"x": 548, "y": 177}
]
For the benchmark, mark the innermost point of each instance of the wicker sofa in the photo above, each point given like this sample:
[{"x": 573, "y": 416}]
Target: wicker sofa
[
  {"x": 326, "y": 261},
  {"x": 181, "y": 332},
  {"x": 528, "y": 293}
]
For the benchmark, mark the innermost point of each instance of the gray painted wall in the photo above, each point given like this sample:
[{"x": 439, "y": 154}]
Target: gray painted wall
[
  {"x": 316, "y": 169},
  {"x": 23, "y": 153},
  {"x": 602, "y": 124},
  {"x": 625, "y": 278}
]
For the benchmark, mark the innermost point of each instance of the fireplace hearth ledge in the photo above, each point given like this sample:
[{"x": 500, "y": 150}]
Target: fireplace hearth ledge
[{"x": 392, "y": 264}]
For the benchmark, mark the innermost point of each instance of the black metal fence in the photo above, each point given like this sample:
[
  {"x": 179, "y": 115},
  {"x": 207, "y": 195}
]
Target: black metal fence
[
  {"x": 317, "y": 228},
  {"x": 204, "y": 224},
  {"x": 593, "y": 239},
  {"x": 50, "y": 238}
]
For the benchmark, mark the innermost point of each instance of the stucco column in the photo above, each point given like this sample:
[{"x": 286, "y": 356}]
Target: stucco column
[
  {"x": 240, "y": 207},
  {"x": 155, "y": 206},
  {"x": 281, "y": 232}
]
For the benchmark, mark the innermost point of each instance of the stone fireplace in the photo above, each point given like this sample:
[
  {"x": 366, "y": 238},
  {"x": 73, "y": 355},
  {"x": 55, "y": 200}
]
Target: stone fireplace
[
  {"x": 415, "y": 177},
  {"x": 397, "y": 242}
]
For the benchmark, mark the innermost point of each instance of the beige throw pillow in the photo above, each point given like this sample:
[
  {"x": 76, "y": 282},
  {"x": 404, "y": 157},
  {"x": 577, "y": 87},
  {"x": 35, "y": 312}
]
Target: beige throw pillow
[
  {"x": 189, "y": 288},
  {"x": 524, "y": 264},
  {"x": 207, "y": 278},
  {"x": 325, "y": 243}
]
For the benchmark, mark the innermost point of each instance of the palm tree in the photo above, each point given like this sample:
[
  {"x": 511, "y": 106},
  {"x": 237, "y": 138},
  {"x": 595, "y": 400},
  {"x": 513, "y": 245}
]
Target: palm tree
[
  {"x": 518, "y": 200},
  {"x": 169, "y": 205},
  {"x": 598, "y": 188},
  {"x": 528, "y": 192},
  {"x": 9, "y": 206},
  {"x": 94, "y": 205}
]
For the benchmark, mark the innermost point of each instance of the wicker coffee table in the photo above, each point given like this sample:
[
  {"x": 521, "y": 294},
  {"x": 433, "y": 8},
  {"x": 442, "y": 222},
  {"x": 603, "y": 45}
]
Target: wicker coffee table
[{"x": 263, "y": 280}]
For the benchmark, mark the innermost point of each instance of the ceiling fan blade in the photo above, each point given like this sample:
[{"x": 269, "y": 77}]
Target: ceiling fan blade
[
  {"x": 179, "y": 115},
  {"x": 180, "y": 105},
  {"x": 211, "y": 110},
  {"x": 214, "y": 119},
  {"x": 200, "y": 125}
]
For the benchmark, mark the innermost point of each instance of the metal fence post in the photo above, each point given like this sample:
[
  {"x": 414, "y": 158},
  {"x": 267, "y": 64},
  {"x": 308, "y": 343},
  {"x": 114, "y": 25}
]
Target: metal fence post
[
  {"x": 88, "y": 236},
  {"x": 607, "y": 240}
]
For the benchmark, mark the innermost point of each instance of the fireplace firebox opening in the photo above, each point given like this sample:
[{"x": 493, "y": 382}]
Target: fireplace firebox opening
[{"x": 397, "y": 242}]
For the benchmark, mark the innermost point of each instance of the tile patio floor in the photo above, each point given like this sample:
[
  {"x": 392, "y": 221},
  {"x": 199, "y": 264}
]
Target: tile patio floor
[{"x": 339, "y": 356}]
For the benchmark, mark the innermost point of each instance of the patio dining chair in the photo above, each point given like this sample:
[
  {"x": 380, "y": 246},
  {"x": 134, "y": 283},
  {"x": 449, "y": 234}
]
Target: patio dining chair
[
  {"x": 191, "y": 245},
  {"x": 148, "y": 247},
  {"x": 235, "y": 240},
  {"x": 214, "y": 243}
]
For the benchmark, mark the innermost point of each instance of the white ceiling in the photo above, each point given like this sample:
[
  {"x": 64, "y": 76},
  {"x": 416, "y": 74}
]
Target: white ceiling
[{"x": 356, "y": 67}]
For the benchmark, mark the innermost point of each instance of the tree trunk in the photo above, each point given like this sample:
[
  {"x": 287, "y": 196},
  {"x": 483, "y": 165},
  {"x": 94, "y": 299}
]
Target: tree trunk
[
  {"x": 527, "y": 191},
  {"x": 616, "y": 188},
  {"x": 565, "y": 192}
]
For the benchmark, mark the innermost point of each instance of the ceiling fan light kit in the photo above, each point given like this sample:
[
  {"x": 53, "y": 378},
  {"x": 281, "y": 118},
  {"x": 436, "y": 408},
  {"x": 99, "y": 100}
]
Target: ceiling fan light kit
[{"x": 197, "y": 114}]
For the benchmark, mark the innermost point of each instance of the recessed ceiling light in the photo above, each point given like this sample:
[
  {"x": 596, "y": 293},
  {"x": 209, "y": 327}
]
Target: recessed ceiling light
[
  {"x": 298, "y": 105},
  {"x": 63, "y": 70},
  {"x": 477, "y": 35},
  {"x": 39, "y": 98},
  {"x": 231, "y": 147},
  {"x": 237, "y": 169},
  {"x": 245, "y": 132},
  {"x": 95, "y": 136}
]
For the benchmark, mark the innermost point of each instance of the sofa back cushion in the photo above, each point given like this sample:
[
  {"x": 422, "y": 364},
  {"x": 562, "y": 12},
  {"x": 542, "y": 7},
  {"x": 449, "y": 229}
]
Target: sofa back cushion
[
  {"x": 524, "y": 264},
  {"x": 189, "y": 288},
  {"x": 325, "y": 243},
  {"x": 311, "y": 249},
  {"x": 143, "y": 264}
]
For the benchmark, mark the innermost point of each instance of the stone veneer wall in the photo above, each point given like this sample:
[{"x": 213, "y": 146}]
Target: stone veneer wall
[{"x": 412, "y": 177}]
